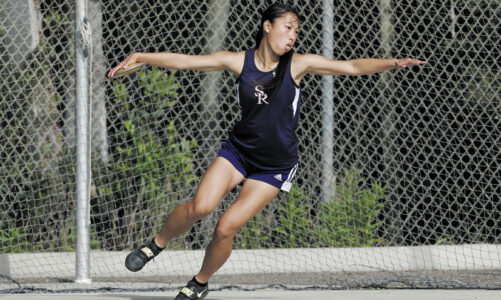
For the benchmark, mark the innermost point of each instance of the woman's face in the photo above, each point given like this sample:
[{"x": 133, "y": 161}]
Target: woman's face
[{"x": 282, "y": 33}]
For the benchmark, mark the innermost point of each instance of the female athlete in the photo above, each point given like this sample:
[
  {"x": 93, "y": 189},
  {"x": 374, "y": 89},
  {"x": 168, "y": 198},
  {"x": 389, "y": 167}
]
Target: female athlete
[{"x": 262, "y": 146}]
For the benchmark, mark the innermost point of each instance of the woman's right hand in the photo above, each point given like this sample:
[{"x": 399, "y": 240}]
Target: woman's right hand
[{"x": 133, "y": 58}]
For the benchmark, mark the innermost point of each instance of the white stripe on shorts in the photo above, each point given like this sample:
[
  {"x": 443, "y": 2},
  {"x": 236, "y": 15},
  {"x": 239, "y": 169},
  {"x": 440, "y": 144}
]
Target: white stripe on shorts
[{"x": 286, "y": 186}]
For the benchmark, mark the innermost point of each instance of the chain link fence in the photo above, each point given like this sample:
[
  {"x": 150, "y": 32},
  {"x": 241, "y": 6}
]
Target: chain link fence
[{"x": 415, "y": 153}]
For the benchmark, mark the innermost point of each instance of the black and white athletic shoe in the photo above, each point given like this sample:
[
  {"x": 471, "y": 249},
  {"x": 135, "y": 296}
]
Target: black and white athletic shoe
[
  {"x": 136, "y": 260},
  {"x": 193, "y": 291}
]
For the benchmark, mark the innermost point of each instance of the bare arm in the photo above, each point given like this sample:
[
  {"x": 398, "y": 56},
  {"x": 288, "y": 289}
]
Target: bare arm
[
  {"x": 311, "y": 63},
  {"x": 222, "y": 60}
]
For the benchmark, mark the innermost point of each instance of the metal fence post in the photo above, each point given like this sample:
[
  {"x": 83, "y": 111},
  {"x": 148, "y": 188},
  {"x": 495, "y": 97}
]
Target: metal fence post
[
  {"x": 82, "y": 32},
  {"x": 327, "y": 103}
]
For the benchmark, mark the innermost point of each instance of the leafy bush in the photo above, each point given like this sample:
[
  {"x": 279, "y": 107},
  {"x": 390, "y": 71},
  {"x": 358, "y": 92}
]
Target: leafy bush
[
  {"x": 36, "y": 199},
  {"x": 294, "y": 226},
  {"x": 350, "y": 219},
  {"x": 152, "y": 164}
]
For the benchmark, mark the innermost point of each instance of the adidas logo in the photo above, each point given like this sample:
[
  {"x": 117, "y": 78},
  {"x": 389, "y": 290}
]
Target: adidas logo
[{"x": 278, "y": 177}]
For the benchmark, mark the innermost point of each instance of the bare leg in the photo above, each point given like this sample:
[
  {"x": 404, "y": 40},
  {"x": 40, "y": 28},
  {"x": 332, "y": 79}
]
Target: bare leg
[
  {"x": 255, "y": 195},
  {"x": 220, "y": 178}
]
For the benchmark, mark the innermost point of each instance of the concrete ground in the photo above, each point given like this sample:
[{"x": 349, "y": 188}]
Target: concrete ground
[{"x": 274, "y": 294}]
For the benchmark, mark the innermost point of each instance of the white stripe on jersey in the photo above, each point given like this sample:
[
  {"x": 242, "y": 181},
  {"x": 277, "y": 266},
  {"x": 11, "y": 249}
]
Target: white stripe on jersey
[
  {"x": 238, "y": 93},
  {"x": 294, "y": 103}
]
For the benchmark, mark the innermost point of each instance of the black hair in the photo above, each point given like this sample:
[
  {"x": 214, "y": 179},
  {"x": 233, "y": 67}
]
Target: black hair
[{"x": 274, "y": 11}]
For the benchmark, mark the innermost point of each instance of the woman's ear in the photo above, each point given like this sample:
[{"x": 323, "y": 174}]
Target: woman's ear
[{"x": 267, "y": 26}]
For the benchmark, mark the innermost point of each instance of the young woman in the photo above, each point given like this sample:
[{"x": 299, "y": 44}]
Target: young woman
[{"x": 262, "y": 146}]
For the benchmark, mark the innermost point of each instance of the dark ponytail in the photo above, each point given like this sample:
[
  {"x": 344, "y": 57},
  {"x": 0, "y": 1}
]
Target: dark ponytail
[{"x": 276, "y": 10}]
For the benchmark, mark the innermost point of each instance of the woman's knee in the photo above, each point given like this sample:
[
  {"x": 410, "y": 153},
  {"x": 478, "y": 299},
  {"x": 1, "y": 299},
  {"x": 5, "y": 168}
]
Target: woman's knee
[
  {"x": 225, "y": 230},
  {"x": 199, "y": 209}
]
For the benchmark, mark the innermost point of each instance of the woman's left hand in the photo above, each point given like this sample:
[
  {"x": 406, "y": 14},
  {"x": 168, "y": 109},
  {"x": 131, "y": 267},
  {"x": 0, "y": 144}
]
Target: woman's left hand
[{"x": 406, "y": 62}]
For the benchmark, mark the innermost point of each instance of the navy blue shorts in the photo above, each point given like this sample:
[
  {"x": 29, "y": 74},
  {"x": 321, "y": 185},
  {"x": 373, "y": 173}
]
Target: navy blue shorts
[{"x": 281, "y": 179}]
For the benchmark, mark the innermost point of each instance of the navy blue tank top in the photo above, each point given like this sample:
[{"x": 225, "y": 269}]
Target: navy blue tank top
[{"x": 266, "y": 133}]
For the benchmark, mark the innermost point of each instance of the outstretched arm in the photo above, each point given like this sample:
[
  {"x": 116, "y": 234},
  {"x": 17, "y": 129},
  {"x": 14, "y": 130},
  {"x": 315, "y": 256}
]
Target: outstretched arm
[
  {"x": 222, "y": 60},
  {"x": 311, "y": 63}
]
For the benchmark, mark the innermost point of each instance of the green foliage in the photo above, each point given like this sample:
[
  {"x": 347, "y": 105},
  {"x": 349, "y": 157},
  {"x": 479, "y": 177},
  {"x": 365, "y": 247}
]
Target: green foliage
[
  {"x": 152, "y": 164},
  {"x": 149, "y": 164},
  {"x": 254, "y": 233},
  {"x": 350, "y": 219},
  {"x": 36, "y": 199},
  {"x": 18, "y": 240},
  {"x": 14, "y": 241},
  {"x": 295, "y": 224}
]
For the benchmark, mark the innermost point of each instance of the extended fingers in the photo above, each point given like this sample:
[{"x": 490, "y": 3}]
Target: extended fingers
[
  {"x": 112, "y": 72},
  {"x": 123, "y": 64},
  {"x": 403, "y": 63},
  {"x": 417, "y": 62}
]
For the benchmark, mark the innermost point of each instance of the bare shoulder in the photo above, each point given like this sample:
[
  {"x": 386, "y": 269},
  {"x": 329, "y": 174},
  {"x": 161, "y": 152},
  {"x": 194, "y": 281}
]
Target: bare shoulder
[
  {"x": 300, "y": 65},
  {"x": 230, "y": 54},
  {"x": 318, "y": 64},
  {"x": 305, "y": 58},
  {"x": 233, "y": 61}
]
